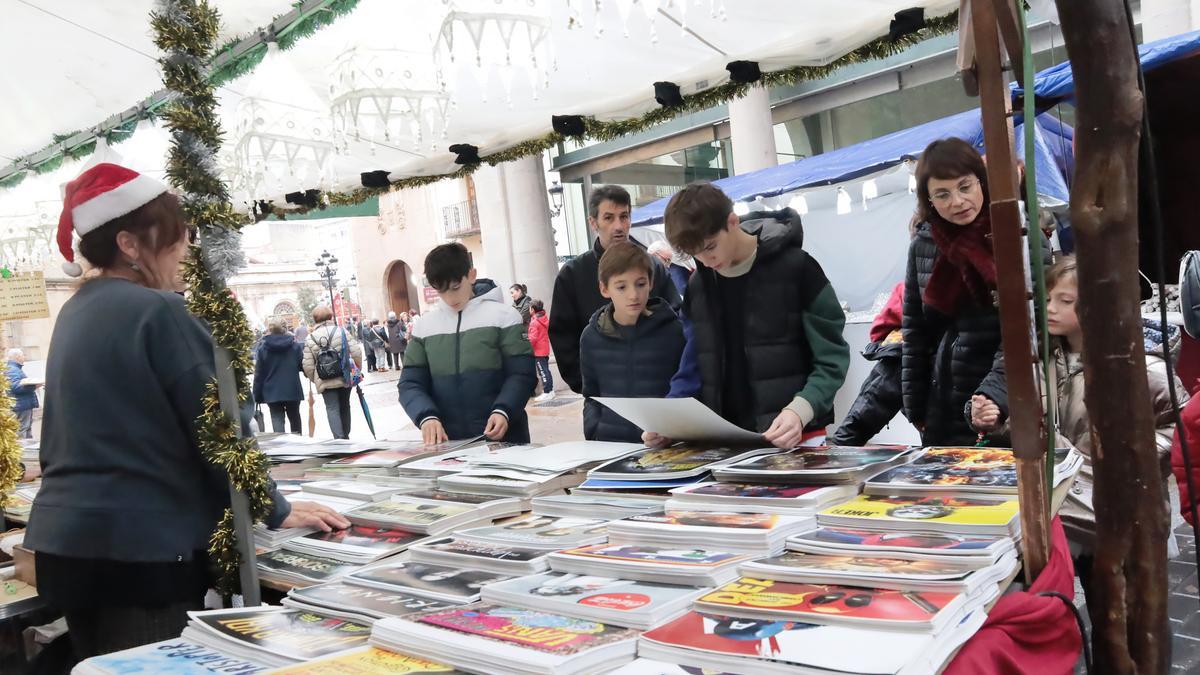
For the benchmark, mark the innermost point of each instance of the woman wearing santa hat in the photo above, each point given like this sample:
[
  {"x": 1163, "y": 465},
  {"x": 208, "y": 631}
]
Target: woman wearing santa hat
[{"x": 121, "y": 523}]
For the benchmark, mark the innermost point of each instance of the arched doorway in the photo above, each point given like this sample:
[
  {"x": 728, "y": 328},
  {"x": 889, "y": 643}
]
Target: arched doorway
[{"x": 401, "y": 292}]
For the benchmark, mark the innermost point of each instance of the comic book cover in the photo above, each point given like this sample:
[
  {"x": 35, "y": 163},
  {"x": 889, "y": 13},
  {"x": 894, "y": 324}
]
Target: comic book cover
[
  {"x": 821, "y": 603},
  {"x": 713, "y": 519},
  {"x": 454, "y": 497},
  {"x": 540, "y": 532},
  {"x": 176, "y": 656},
  {"x": 978, "y": 469},
  {"x": 439, "y": 580},
  {"x": 540, "y": 631},
  {"x": 821, "y": 459},
  {"x": 817, "y": 563},
  {"x": 488, "y": 551},
  {"x": 290, "y": 633},
  {"x": 307, "y": 566},
  {"x": 389, "y": 457},
  {"x": 371, "y": 601},
  {"x": 678, "y": 459},
  {"x": 674, "y": 557},
  {"x": 918, "y": 511},
  {"x": 559, "y": 591},
  {"x": 792, "y": 642},
  {"x": 406, "y": 514},
  {"x": 752, "y": 490},
  {"x": 363, "y": 537},
  {"x": 910, "y": 542},
  {"x": 369, "y": 661}
]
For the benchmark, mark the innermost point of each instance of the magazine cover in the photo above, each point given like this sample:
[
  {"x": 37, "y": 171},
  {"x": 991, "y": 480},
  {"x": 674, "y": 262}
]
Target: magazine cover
[
  {"x": 981, "y": 468},
  {"x": 542, "y": 532},
  {"x": 366, "y": 537},
  {"x": 373, "y": 601},
  {"x": 621, "y": 595},
  {"x": 756, "y": 491},
  {"x": 368, "y": 661},
  {"x": 951, "y": 510},
  {"x": 304, "y": 565},
  {"x": 819, "y": 602},
  {"x": 390, "y": 457},
  {"x": 834, "y": 648},
  {"x": 817, "y": 563},
  {"x": 176, "y": 656},
  {"x": 430, "y": 578},
  {"x": 488, "y": 551},
  {"x": 539, "y": 631},
  {"x": 289, "y": 633},
  {"x": 453, "y": 497},
  {"x": 675, "y": 459},
  {"x": 673, "y": 557},
  {"x": 912, "y": 542},
  {"x": 412, "y": 514},
  {"x": 824, "y": 459},
  {"x": 717, "y": 519}
]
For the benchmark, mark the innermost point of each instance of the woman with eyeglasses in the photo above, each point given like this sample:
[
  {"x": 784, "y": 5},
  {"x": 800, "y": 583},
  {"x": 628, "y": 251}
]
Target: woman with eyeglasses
[{"x": 951, "y": 325}]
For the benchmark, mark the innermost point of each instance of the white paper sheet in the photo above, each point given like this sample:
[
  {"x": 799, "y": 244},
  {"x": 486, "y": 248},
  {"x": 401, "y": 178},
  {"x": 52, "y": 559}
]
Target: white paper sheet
[{"x": 681, "y": 419}]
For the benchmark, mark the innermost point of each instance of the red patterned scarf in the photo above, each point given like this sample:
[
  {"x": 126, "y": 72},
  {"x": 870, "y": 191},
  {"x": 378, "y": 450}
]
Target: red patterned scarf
[{"x": 965, "y": 268}]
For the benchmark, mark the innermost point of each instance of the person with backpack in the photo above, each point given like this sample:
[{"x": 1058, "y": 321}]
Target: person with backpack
[{"x": 326, "y": 362}]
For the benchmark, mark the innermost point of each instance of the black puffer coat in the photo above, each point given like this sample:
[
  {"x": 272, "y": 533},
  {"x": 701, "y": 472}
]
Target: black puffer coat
[
  {"x": 947, "y": 359},
  {"x": 878, "y": 399},
  {"x": 615, "y": 366}
]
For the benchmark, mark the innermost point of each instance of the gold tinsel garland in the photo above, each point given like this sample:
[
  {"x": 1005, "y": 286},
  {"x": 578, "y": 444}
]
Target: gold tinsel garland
[
  {"x": 11, "y": 469},
  {"x": 185, "y": 30}
]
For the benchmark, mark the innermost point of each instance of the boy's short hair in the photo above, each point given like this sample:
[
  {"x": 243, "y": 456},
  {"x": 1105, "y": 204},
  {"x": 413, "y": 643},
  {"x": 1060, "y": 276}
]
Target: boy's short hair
[
  {"x": 697, "y": 212},
  {"x": 623, "y": 257},
  {"x": 537, "y": 305},
  {"x": 607, "y": 193},
  {"x": 1059, "y": 271},
  {"x": 447, "y": 264}
]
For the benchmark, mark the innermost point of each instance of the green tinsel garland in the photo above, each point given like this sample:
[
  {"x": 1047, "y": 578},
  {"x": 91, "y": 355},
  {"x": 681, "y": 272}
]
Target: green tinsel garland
[
  {"x": 185, "y": 31},
  {"x": 11, "y": 469}
]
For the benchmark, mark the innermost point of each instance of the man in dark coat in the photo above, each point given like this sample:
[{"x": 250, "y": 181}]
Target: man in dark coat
[
  {"x": 277, "y": 377},
  {"x": 879, "y": 398},
  {"x": 577, "y": 287},
  {"x": 397, "y": 332}
]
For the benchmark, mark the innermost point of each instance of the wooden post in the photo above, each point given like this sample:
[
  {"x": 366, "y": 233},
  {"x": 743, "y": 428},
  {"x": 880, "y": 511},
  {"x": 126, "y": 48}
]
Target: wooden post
[
  {"x": 1024, "y": 398},
  {"x": 1128, "y": 599}
]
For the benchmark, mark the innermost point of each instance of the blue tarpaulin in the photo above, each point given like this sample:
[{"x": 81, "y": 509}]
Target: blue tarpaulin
[
  {"x": 869, "y": 157},
  {"x": 1057, "y": 83}
]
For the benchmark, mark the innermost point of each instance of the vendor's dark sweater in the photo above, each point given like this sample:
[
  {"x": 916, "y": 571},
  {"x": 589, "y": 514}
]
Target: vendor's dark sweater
[{"x": 123, "y": 478}]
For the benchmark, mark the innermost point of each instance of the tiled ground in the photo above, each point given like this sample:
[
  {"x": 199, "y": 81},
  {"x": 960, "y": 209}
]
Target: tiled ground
[{"x": 1183, "y": 606}]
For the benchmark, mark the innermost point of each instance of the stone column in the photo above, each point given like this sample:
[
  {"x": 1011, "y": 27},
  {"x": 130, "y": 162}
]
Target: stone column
[
  {"x": 751, "y": 132},
  {"x": 514, "y": 223}
]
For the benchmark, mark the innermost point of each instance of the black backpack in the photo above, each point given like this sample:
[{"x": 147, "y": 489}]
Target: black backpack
[{"x": 328, "y": 360}]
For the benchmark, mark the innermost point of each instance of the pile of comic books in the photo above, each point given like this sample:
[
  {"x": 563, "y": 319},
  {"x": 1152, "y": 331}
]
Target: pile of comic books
[
  {"x": 437, "y": 582},
  {"x": 357, "y": 544},
  {"x": 946, "y": 512},
  {"x": 964, "y": 472},
  {"x": 609, "y": 600},
  {"x": 435, "y": 512},
  {"x": 501, "y": 558},
  {"x": 274, "y": 636},
  {"x": 665, "y": 468},
  {"x": 528, "y": 472},
  {"x": 694, "y": 566},
  {"x": 607, "y": 506},
  {"x": 359, "y": 603},
  {"x": 757, "y": 533},
  {"x": 815, "y": 465},
  {"x": 779, "y": 498}
]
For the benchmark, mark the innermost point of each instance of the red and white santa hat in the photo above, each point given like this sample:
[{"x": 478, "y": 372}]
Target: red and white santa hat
[{"x": 97, "y": 196}]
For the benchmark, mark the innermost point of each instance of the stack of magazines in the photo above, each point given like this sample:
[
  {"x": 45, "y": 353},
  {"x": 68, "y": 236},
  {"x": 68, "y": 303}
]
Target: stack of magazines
[
  {"x": 665, "y": 468},
  {"x": 176, "y": 655},
  {"x": 528, "y": 472},
  {"x": 501, "y": 558},
  {"x": 781, "y": 498},
  {"x": 540, "y": 532},
  {"x": 300, "y": 569},
  {"x": 434, "y": 512},
  {"x": 274, "y": 636},
  {"x": 269, "y": 539},
  {"x": 964, "y": 472},
  {"x": 617, "y": 602},
  {"x": 359, "y": 489},
  {"x": 756, "y": 533},
  {"x": 367, "y": 661},
  {"x": 816, "y": 465},
  {"x": 365, "y": 604},
  {"x": 608, "y": 507},
  {"x": 487, "y": 638},
  {"x": 946, "y": 513},
  {"x": 682, "y": 565},
  {"x": 437, "y": 582},
  {"x": 357, "y": 544}
]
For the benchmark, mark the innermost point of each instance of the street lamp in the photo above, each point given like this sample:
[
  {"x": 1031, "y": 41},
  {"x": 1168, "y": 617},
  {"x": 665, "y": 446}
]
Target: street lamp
[
  {"x": 327, "y": 270},
  {"x": 556, "y": 198}
]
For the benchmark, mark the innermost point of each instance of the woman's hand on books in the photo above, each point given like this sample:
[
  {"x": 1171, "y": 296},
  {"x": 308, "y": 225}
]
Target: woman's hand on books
[
  {"x": 497, "y": 426},
  {"x": 432, "y": 432},
  {"x": 312, "y": 514},
  {"x": 653, "y": 440},
  {"x": 786, "y": 431}
]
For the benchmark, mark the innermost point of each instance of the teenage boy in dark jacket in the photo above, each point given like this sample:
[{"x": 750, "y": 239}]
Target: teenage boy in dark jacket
[
  {"x": 631, "y": 347},
  {"x": 468, "y": 368},
  {"x": 577, "y": 287},
  {"x": 766, "y": 350}
]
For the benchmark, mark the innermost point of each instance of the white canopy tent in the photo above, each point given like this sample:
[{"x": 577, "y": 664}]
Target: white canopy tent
[{"x": 391, "y": 85}]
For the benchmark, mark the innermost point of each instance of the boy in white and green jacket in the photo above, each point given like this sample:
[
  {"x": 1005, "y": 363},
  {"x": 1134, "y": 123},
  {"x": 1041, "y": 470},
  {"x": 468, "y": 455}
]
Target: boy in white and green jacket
[{"x": 468, "y": 369}]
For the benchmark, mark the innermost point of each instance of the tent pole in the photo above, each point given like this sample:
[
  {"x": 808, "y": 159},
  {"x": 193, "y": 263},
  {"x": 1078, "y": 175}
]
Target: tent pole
[{"x": 1024, "y": 399}]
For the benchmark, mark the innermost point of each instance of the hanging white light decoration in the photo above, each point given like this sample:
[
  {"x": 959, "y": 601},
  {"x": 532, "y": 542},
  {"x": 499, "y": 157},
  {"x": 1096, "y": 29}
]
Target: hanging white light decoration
[
  {"x": 282, "y": 132},
  {"x": 869, "y": 191},
  {"x": 507, "y": 36},
  {"x": 799, "y": 204},
  {"x": 387, "y": 96},
  {"x": 843, "y": 201}
]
